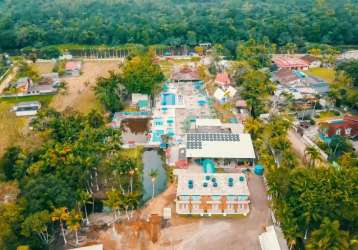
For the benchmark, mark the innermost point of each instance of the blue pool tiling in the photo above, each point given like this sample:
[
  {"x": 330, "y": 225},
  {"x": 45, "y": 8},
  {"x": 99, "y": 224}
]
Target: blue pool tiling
[
  {"x": 170, "y": 132},
  {"x": 157, "y": 135}
]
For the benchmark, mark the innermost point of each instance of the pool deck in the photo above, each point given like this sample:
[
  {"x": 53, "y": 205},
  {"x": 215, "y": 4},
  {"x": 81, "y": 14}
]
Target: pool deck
[{"x": 187, "y": 105}]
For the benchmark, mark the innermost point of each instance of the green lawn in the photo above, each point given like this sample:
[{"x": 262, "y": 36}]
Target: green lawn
[
  {"x": 44, "y": 99},
  {"x": 326, "y": 74},
  {"x": 327, "y": 114}
]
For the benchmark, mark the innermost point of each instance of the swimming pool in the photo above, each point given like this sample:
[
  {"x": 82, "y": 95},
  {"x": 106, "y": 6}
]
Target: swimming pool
[
  {"x": 168, "y": 99},
  {"x": 157, "y": 135}
]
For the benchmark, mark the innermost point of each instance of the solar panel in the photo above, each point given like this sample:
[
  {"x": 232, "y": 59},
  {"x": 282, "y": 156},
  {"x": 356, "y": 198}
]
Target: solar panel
[{"x": 199, "y": 137}]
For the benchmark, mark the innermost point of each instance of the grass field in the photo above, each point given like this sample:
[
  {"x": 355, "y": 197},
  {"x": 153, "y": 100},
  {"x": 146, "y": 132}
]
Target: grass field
[
  {"x": 326, "y": 74},
  {"x": 44, "y": 99},
  {"x": 43, "y": 67},
  {"x": 14, "y": 130}
]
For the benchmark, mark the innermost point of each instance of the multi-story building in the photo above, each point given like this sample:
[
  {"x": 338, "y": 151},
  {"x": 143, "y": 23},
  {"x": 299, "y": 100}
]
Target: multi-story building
[{"x": 210, "y": 194}]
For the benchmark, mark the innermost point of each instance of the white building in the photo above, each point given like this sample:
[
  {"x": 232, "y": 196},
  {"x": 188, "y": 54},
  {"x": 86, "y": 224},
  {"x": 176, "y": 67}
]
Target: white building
[
  {"x": 26, "y": 108},
  {"x": 215, "y": 193},
  {"x": 228, "y": 150}
]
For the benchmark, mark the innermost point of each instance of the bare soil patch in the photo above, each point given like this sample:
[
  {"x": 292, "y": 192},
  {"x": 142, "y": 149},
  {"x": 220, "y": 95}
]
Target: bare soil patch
[{"x": 80, "y": 95}]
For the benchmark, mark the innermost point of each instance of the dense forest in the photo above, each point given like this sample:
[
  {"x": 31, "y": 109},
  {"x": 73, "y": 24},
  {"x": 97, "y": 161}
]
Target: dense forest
[{"x": 38, "y": 23}]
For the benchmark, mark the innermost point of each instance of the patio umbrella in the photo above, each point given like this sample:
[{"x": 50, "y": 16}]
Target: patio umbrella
[{"x": 201, "y": 102}]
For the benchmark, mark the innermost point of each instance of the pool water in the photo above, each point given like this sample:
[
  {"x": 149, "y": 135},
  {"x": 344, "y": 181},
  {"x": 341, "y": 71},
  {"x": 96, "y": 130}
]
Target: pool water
[
  {"x": 152, "y": 160},
  {"x": 157, "y": 135},
  {"x": 168, "y": 99}
]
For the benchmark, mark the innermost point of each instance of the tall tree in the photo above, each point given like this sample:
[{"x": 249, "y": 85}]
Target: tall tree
[
  {"x": 38, "y": 223},
  {"x": 329, "y": 236},
  {"x": 313, "y": 156},
  {"x": 61, "y": 215},
  {"x": 141, "y": 75},
  {"x": 73, "y": 222},
  {"x": 111, "y": 92},
  {"x": 153, "y": 174}
]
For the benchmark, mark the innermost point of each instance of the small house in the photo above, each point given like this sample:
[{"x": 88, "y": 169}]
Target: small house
[
  {"x": 290, "y": 62},
  {"x": 42, "y": 89},
  {"x": 214, "y": 193},
  {"x": 220, "y": 96},
  {"x": 22, "y": 85},
  {"x": 50, "y": 79},
  {"x": 73, "y": 68},
  {"x": 285, "y": 77},
  {"x": 348, "y": 55},
  {"x": 140, "y": 101},
  {"x": 26, "y": 108},
  {"x": 346, "y": 126},
  {"x": 313, "y": 62},
  {"x": 223, "y": 79},
  {"x": 320, "y": 86},
  {"x": 224, "y": 95}
]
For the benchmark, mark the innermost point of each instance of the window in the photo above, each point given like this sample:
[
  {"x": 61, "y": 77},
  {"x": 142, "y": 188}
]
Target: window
[{"x": 348, "y": 131}]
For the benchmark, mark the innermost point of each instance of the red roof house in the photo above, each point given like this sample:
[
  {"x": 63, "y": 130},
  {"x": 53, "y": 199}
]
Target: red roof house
[
  {"x": 348, "y": 126},
  {"x": 223, "y": 79},
  {"x": 312, "y": 61},
  {"x": 73, "y": 68},
  {"x": 285, "y": 62},
  {"x": 286, "y": 77}
]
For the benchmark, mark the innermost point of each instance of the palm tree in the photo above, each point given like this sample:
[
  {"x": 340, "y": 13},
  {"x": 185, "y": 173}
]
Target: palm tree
[
  {"x": 329, "y": 236},
  {"x": 114, "y": 202},
  {"x": 153, "y": 174},
  {"x": 74, "y": 222},
  {"x": 61, "y": 215},
  {"x": 129, "y": 167},
  {"x": 253, "y": 126},
  {"x": 313, "y": 154},
  {"x": 84, "y": 198}
]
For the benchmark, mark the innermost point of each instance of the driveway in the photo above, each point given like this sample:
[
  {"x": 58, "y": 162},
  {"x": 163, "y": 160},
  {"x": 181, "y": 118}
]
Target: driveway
[{"x": 297, "y": 143}]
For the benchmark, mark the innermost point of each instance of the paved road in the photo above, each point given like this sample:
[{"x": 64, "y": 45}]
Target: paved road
[
  {"x": 8, "y": 79},
  {"x": 297, "y": 143}
]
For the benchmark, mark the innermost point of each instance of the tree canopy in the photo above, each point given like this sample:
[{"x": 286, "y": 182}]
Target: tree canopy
[
  {"x": 141, "y": 75},
  {"x": 38, "y": 23}
]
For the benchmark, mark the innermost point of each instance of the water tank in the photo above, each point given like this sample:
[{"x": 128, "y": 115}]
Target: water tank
[{"x": 259, "y": 169}]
